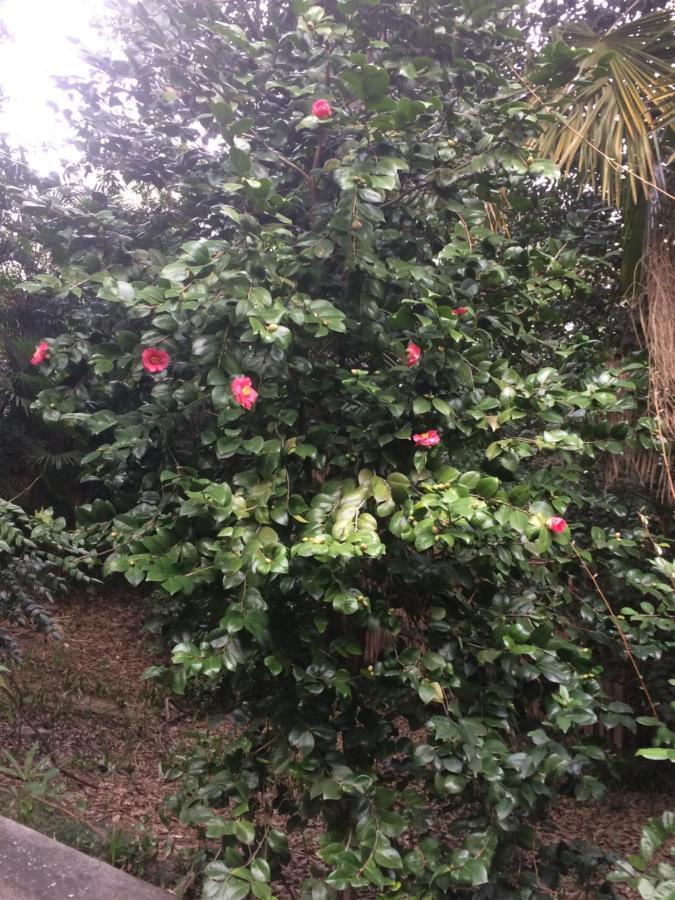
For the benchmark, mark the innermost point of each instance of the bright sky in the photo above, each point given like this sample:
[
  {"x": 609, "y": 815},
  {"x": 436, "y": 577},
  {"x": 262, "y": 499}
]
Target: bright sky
[{"x": 45, "y": 40}]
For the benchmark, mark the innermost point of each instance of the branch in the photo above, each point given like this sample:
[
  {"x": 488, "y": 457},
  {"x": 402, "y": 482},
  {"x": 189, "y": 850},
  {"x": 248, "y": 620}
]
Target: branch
[
  {"x": 289, "y": 163},
  {"x": 618, "y": 627}
]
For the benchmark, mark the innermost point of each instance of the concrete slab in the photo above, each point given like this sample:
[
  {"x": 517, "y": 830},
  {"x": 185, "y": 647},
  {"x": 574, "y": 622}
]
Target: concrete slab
[{"x": 34, "y": 867}]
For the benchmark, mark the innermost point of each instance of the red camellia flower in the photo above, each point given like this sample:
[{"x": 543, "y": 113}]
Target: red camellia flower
[
  {"x": 41, "y": 353},
  {"x": 322, "y": 109},
  {"x": 243, "y": 391},
  {"x": 155, "y": 359},
  {"x": 460, "y": 310},
  {"x": 427, "y": 438},
  {"x": 413, "y": 352},
  {"x": 556, "y": 524}
]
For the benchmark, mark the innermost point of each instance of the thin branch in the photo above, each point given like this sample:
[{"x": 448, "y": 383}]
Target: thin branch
[
  {"x": 25, "y": 490},
  {"x": 312, "y": 178},
  {"x": 87, "y": 782},
  {"x": 289, "y": 163},
  {"x": 617, "y": 625}
]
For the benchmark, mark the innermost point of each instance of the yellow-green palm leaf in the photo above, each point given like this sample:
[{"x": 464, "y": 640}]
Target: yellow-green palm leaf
[{"x": 608, "y": 115}]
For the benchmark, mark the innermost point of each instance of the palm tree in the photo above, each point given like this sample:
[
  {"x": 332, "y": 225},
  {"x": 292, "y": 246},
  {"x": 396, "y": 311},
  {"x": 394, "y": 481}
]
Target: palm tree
[
  {"x": 610, "y": 99},
  {"x": 613, "y": 117}
]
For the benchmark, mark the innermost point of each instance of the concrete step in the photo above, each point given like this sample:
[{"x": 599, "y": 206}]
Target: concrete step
[{"x": 34, "y": 867}]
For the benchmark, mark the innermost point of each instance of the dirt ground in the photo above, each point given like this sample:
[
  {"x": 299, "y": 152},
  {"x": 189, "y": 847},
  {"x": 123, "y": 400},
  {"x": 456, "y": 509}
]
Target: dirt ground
[{"x": 84, "y": 704}]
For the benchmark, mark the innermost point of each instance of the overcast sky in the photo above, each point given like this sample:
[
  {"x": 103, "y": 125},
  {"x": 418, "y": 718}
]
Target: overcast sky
[{"x": 45, "y": 40}]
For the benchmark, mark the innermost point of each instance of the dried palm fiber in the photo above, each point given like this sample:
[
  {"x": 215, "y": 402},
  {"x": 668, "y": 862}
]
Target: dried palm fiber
[
  {"x": 497, "y": 214},
  {"x": 645, "y": 467},
  {"x": 380, "y": 639},
  {"x": 657, "y": 311},
  {"x": 650, "y": 469},
  {"x": 654, "y": 302}
]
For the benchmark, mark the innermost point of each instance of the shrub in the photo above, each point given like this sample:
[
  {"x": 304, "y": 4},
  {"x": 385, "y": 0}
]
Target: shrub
[
  {"x": 37, "y": 460},
  {"x": 38, "y": 557},
  {"x": 353, "y": 426}
]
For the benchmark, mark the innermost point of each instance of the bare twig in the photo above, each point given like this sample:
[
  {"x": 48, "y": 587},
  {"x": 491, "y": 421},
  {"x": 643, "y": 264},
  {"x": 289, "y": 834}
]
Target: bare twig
[
  {"x": 617, "y": 625},
  {"x": 289, "y": 163},
  {"x": 26, "y": 489},
  {"x": 312, "y": 178},
  {"x": 87, "y": 782}
]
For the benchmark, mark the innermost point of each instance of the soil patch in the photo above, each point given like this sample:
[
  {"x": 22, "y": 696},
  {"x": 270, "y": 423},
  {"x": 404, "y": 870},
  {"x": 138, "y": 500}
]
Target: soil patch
[{"x": 83, "y": 704}]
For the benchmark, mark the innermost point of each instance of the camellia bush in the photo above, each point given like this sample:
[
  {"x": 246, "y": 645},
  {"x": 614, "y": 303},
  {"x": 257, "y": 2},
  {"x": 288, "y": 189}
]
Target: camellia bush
[{"x": 350, "y": 413}]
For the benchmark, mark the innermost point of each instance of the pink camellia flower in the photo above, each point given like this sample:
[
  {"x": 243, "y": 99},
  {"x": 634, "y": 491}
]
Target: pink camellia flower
[
  {"x": 155, "y": 359},
  {"x": 243, "y": 391},
  {"x": 322, "y": 109},
  {"x": 427, "y": 438},
  {"x": 556, "y": 524},
  {"x": 460, "y": 310},
  {"x": 413, "y": 352},
  {"x": 41, "y": 353}
]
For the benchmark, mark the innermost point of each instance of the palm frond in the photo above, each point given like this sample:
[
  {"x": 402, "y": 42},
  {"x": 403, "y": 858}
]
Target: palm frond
[
  {"x": 609, "y": 113},
  {"x": 44, "y": 458}
]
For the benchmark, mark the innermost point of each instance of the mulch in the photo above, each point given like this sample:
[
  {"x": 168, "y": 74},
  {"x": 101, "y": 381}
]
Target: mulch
[{"x": 84, "y": 703}]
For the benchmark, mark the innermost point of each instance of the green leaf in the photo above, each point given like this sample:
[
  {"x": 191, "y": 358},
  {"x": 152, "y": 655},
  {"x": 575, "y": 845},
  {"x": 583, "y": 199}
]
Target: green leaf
[
  {"x": 388, "y": 857},
  {"x": 134, "y": 576},
  {"x": 101, "y": 421},
  {"x": 274, "y": 665},
  {"x": 323, "y": 248},
  {"x": 487, "y": 486},
  {"x": 442, "y": 407},
  {"x": 260, "y": 869},
  {"x": 449, "y": 784},
  {"x": 240, "y": 160},
  {"x": 657, "y": 753},
  {"x": 228, "y": 889},
  {"x": 301, "y": 739},
  {"x": 346, "y": 604},
  {"x": 430, "y": 692},
  {"x": 473, "y": 872},
  {"x": 175, "y": 271},
  {"x": 244, "y": 831},
  {"x": 543, "y": 168}
]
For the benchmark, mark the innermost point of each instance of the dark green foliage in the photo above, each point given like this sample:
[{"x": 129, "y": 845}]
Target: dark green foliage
[
  {"x": 32, "y": 453},
  {"x": 410, "y": 653},
  {"x": 38, "y": 559},
  {"x": 39, "y": 459}
]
